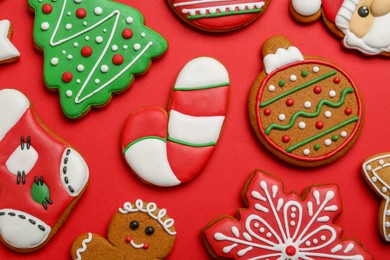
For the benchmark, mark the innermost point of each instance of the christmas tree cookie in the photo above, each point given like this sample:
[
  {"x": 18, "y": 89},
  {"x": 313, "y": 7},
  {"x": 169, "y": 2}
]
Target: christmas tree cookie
[{"x": 92, "y": 49}]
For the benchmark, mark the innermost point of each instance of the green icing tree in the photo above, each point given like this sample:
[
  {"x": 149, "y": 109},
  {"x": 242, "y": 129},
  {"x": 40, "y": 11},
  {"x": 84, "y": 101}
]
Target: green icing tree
[{"x": 92, "y": 48}]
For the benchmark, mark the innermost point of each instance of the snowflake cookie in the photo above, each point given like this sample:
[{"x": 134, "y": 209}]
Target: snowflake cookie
[
  {"x": 41, "y": 177},
  {"x": 283, "y": 226},
  {"x": 8, "y": 52},
  {"x": 93, "y": 48}
]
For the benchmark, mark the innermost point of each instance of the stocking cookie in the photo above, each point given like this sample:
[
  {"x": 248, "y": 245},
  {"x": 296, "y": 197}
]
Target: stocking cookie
[
  {"x": 279, "y": 225},
  {"x": 93, "y": 48},
  {"x": 167, "y": 150},
  {"x": 8, "y": 52},
  {"x": 219, "y": 15},
  {"x": 41, "y": 177},
  {"x": 364, "y": 25},
  {"x": 137, "y": 231},
  {"x": 376, "y": 172},
  {"x": 305, "y": 110}
]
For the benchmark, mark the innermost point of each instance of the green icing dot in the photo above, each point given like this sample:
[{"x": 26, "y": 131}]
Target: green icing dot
[
  {"x": 40, "y": 192},
  {"x": 335, "y": 138},
  {"x": 304, "y": 73},
  {"x": 282, "y": 83},
  {"x": 317, "y": 147}
]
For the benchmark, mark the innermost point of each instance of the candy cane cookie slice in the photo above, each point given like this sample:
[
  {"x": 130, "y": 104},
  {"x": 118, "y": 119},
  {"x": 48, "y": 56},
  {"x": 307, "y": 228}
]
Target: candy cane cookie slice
[{"x": 167, "y": 150}]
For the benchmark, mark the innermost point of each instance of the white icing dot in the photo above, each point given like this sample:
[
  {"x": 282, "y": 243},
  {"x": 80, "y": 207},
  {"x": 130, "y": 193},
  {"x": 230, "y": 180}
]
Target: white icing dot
[
  {"x": 387, "y": 212},
  {"x": 384, "y": 189},
  {"x": 374, "y": 179},
  {"x": 87, "y": 38},
  {"x": 293, "y": 209},
  {"x": 97, "y": 81},
  {"x": 114, "y": 47},
  {"x": 77, "y": 1},
  {"x": 45, "y": 26},
  {"x": 99, "y": 39},
  {"x": 343, "y": 134},
  {"x": 292, "y": 215},
  {"x": 387, "y": 224},
  {"x": 328, "y": 142},
  {"x": 98, "y": 10},
  {"x": 381, "y": 162},
  {"x": 68, "y": 26},
  {"x": 368, "y": 168},
  {"x": 125, "y": 47},
  {"x": 70, "y": 57},
  {"x": 315, "y": 241},
  {"x": 256, "y": 225},
  {"x": 307, "y": 243},
  {"x": 302, "y": 125},
  {"x": 76, "y": 44},
  {"x": 129, "y": 20},
  {"x": 104, "y": 68},
  {"x": 85, "y": 23},
  {"x": 104, "y": 30},
  {"x": 63, "y": 52},
  {"x": 306, "y": 152},
  {"x": 323, "y": 238},
  {"x": 293, "y": 78},
  {"x": 262, "y": 230},
  {"x": 328, "y": 114},
  {"x": 69, "y": 13},
  {"x": 143, "y": 35},
  {"x": 307, "y": 104},
  {"x": 269, "y": 234},
  {"x": 69, "y": 93},
  {"x": 316, "y": 69},
  {"x": 271, "y": 88},
  {"x": 292, "y": 223},
  {"x": 282, "y": 117},
  {"x": 78, "y": 81},
  {"x": 137, "y": 46},
  {"x": 54, "y": 61},
  {"x": 80, "y": 68},
  {"x": 332, "y": 93}
]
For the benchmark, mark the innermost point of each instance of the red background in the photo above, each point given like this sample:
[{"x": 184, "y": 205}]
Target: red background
[{"x": 216, "y": 190}]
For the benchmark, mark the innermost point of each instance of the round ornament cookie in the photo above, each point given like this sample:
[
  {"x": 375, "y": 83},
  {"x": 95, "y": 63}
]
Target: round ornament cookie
[
  {"x": 364, "y": 25},
  {"x": 305, "y": 110},
  {"x": 218, "y": 15}
]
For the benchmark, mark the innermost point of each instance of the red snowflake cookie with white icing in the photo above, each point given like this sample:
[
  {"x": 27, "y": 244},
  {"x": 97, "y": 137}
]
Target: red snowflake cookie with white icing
[
  {"x": 218, "y": 15},
  {"x": 305, "y": 110},
  {"x": 41, "y": 177},
  {"x": 169, "y": 149},
  {"x": 276, "y": 225}
]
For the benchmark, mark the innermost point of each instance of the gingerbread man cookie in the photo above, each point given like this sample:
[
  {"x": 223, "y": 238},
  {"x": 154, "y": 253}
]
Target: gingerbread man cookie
[
  {"x": 137, "y": 231},
  {"x": 364, "y": 25},
  {"x": 41, "y": 177},
  {"x": 8, "y": 52},
  {"x": 93, "y": 48},
  {"x": 305, "y": 110},
  {"x": 280, "y": 225}
]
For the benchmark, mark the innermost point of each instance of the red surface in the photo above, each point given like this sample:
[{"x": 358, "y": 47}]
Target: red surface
[{"x": 216, "y": 190}]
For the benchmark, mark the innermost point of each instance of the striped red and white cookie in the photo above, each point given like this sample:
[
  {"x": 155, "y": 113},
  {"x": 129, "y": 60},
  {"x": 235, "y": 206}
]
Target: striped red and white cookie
[
  {"x": 305, "y": 110},
  {"x": 167, "y": 149}
]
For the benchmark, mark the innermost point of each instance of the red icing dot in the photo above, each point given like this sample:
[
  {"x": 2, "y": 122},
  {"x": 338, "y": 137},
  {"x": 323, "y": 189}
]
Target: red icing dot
[
  {"x": 127, "y": 33},
  {"x": 128, "y": 239},
  {"x": 86, "y": 51},
  {"x": 319, "y": 125},
  {"x": 146, "y": 246},
  {"x": 81, "y": 13},
  {"x": 291, "y": 250},
  {"x": 286, "y": 139},
  {"x": 67, "y": 77},
  {"x": 289, "y": 102},
  {"x": 117, "y": 59},
  {"x": 267, "y": 111},
  {"x": 317, "y": 89},
  {"x": 336, "y": 80},
  {"x": 348, "y": 111},
  {"x": 47, "y": 8}
]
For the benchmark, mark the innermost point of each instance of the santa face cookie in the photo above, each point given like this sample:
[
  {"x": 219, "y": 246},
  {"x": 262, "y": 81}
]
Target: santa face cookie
[
  {"x": 218, "y": 15},
  {"x": 279, "y": 225},
  {"x": 92, "y": 49},
  {"x": 167, "y": 150},
  {"x": 41, "y": 177},
  {"x": 8, "y": 52},
  {"x": 364, "y": 25},
  {"x": 136, "y": 231},
  {"x": 305, "y": 110}
]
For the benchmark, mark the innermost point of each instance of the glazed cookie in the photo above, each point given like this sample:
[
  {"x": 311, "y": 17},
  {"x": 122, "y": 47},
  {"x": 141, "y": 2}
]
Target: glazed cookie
[
  {"x": 167, "y": 150},
  {"x": 279, "y": 225},
  {"x": 376, "y": 172},
  {"x": 92, "y": 49},
  {"x": 364, "y": 25},
  {"x": 305, "y": 110},
  {"x": 218, "y": 15},
  {"x": 137, "y": 231},
  {"x": 41, "y": 177},
  {"x": 8, "y": 52}
]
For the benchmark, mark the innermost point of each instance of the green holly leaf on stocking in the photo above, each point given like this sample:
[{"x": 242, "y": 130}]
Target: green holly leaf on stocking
[
  {"x": 40, "y": 192},
  {"x": 92, "y": 49}
]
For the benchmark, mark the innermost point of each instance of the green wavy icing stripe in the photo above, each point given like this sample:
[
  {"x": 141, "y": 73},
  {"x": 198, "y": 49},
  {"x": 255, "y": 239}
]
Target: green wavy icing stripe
[
  {"x": 310, "y": 115},
  {"x": 305, "y": 85},
  {"x": 189, "y": 144}
]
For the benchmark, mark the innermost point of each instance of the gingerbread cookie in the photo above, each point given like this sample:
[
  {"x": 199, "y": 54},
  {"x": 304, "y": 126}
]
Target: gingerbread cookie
[
  {"x": 279, "y": 225},
  {"x": 364, "y": 25},
  {"x": 167, "y": 150},
  {"x": 8, "y": 52},
  {"x": 92, "y": 49},
  {"x": 376, "y": 172},
  {"x": 41, "y": 177},
  {"x": 218, "y": 15},
  {"x": 137, "y": 231},
  {"x": 305, "y": 110}
]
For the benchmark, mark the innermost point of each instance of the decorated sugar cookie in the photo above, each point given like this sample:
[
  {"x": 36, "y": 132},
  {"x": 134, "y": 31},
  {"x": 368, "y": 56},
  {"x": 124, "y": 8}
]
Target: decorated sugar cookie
[
  {"x": 169, "y": 149},
  {"x": 8, "y": 52},
  {"x": 376, "y": 172},
  {"x": 93, "y": 48},
  {"x": 137, "y": 231},
  {"x": 41, "y": 177},
  {"x": 280, "y": 225},
  {"x": 364, "y": 25},
  {"x": 218, "y": 15},
  {"x": 305, "y": 110}
]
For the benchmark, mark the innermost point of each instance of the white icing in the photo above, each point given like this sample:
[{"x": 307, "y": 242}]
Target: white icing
[
  {"x": 99, "y": 39},
  {"x": 316, "y": 69},
  {"x": 328, "y": 114},
  {"x": 129, "y": 20},
  {"x": 80, "y": 67},
  {"x": 13, "y": 104},
  {"x": 307, "y": 104},
  {"x": 343, "y": 134},
  {"x": 98, "y": 10},
  {"x": 83, "y": 247},
  {"x": 306, "y": 152},
  {"x": 332, "y": 93},
  {"x": 69, "y": 93},
  {"x": 328, "y": 142},
  {"x": 137, "y": 46},
  {"x": 293, "y": 78},
  {"x": 85, "y": 23},
  {"x": 87, "y": 38},
  {"x": 281, "y": 57},
  {"x": 68, "y": 26},
  {"x": 282, "y": 117},
  {"x": 70, "y": 57},
  {"x": 271, "y": 88},
  {"x": 63, "y": 52},
  {"x": 114, "y": 47},
  {"x": 194, "y": 129},
  {"x": 97, "y": 81},
  {"x": 45, "y": 26},
  {"x": 54, "y": 61},
  {"x": 143, "y": 35},
  {"x": 135, "y": 245},
  {"x": 104, "y": 68},
  {"x": 306, "y": 8},
  {"x": 22, "y": 160},
  {"x": 302, "y": 125},
  {"x": 223, "y": 8},
  {"x": 125, "y": 47},
  {"x": 76, "y": 44}
]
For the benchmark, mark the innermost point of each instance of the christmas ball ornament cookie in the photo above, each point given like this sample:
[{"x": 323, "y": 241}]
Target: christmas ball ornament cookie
[
  {"x": 93, "y": 49},
  {"x": 139, "y": 230},
  {"x": 305, "y": 110},
  {"x": 363, "y": 25},
  {"x": 279, "y": 225},
  {"x": 41, "y": 177},
  {"x": 219, "y": 15},
  {"x": 8, "y": 52},
  {"x": 168, "y": 149}
]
